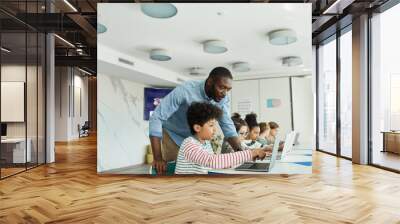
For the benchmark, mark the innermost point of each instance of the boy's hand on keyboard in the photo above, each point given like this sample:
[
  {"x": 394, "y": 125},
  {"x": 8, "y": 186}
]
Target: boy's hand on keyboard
[{"x": 258, "y": 154}]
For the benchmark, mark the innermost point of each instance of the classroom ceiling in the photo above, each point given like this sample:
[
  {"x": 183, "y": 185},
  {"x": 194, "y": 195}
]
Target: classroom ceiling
[
  {"x": 79, "y": 27},
  {"x": 243, "y": 28}
]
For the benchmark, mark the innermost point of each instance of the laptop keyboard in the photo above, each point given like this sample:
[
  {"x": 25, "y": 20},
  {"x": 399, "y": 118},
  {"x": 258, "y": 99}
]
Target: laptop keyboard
[
  {"x": 247, "y": 165},
  {"x": 254, "y": 166}
]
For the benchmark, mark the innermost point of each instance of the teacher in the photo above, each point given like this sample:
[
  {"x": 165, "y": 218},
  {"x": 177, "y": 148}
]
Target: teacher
[{"x": 168, "y": 124}]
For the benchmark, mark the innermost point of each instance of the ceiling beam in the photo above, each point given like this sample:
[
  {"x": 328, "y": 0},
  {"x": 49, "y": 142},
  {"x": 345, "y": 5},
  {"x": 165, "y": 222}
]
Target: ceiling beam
[
  {"x": 84, "y": 24},
  {"x": 82, "y": 61}
]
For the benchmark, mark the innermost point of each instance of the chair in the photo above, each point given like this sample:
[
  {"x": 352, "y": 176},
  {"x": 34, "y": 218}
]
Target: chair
[
  {"x": 170, "y": 169},
  {"x": 84, "y": 130}
]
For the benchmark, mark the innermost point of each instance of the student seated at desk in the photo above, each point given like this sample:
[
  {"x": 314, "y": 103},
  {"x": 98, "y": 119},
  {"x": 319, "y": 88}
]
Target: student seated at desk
[
  {"x": 195, "y": 155},
  {"x": 274, "y": 128},
  {"x": 241, "y": 129},
  {"x": 254, "y": 131},
  {"x": 264, "y": 132}
]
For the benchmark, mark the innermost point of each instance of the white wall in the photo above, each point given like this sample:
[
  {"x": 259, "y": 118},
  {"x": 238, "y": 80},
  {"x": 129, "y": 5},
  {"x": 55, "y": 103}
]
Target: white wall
[
  {"x": 257, "y": 91},
  {"x": 122, "y": 132},
  {"x": 16, "y": 73},
  {"x": 303, "y": 110},
  {"x": 81, "y": 104},
  {"x": 276, "y": 88},
  {"x": 70, "y": 84},
  {"x": 34, "y": 125},
  {"x": 245, "y": 97}
]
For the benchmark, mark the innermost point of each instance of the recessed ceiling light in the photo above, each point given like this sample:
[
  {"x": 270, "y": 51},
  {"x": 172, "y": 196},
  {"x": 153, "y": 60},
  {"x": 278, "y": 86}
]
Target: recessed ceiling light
[
  {"x": 101, "y": 28},
  {"x": 241, "y": 67},
  {"x": 159, "y": 55},
  {"x": 214, "y": 47},
  {"x": 292, "y": 61},
  {"x": 195, "y": 71},
  {"x": 282, "y": 37},
  {"x": 289, "y": 6},
  {"x": 159, "y": 10}
]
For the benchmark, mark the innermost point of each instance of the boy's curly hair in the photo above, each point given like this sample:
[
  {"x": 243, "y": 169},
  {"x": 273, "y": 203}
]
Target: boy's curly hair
[{"x": 200, "y": 113}]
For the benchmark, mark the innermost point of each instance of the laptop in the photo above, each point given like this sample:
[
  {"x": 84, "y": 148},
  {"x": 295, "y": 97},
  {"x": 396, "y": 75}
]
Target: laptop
[
  {"x": 288, "y": 145},
  {"x": 296, "y": 138},
  {"x": 260, "y": 166}
]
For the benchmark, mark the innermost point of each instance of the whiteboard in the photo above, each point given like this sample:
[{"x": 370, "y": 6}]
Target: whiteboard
[
  {"x": 245, "y": 97},
  {"x": 12, "y": 101}
]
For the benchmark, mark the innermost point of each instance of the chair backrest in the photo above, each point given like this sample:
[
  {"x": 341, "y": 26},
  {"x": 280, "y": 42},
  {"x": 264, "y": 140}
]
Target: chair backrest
[{"x": 86, "y": 125}]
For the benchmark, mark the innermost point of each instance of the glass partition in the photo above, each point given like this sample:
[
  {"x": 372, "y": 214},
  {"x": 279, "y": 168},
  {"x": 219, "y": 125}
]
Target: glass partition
[
  {"x": 22, "y": 78},
  {"x": 14, "y": 145}
]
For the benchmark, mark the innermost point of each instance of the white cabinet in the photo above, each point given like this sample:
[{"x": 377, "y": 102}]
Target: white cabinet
[{"x": 17, "y": 148}]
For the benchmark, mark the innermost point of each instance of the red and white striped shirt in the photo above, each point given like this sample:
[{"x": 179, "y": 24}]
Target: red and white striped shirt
[{"x": 197, "y": 158}]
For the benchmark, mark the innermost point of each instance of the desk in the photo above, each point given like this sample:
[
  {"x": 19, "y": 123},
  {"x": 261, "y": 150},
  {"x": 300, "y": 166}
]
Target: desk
[
  {"x": 391, "y": 141},
  {"x": 13, "y": 150},
  {"x": 298, "y": 161}
]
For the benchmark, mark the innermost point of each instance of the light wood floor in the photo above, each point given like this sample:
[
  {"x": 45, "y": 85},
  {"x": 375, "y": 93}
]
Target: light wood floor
[
  {"x": 70, "y": 191},
  {"x": 10, "y": 171}
]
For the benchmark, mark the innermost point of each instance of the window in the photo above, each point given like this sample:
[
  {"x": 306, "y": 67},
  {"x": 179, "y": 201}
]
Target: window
[
  {"x": 394, "y": 101},
  {"x": 346, "y": 93},
  {"x": 385, "y": 89},
  {"x": 327, "y": 97}
]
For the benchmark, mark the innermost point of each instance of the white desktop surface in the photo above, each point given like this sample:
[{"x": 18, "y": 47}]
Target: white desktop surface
[
  {"x": 291, "y": 164},
  {"x": 19, "y": 150},
  {"x": 12, "y": 140}
]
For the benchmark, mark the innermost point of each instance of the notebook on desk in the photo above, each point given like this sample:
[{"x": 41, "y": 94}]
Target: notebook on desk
[{"x": 260, "y": 166}]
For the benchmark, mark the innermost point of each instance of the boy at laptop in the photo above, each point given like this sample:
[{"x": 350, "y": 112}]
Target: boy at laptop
[{"x": 195, "y": 155}]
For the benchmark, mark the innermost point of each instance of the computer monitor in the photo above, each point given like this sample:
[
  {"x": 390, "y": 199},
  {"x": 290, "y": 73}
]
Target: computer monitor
[{"x": 3, "y": 129}]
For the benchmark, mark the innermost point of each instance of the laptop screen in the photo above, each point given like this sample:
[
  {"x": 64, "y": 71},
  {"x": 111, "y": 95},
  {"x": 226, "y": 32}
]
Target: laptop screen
[{"x": 275, "y": 151}]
